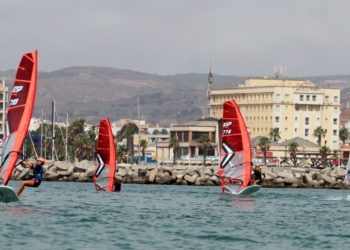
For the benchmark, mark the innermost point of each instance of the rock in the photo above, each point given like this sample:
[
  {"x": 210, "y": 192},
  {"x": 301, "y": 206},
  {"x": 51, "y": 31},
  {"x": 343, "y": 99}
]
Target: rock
[
  {"x": 315, "y": 183},
  {"x": 285, "y": 175},
  {"x": 269, "y": 173},
  {"x": 64, "y": 173},
  {"x": 90, "y": 172},
  {"x": 61, "y": 166},
  {"x": 167, "y": 169},
  {"x": 328, "y": 179},
  {"x": 121, "y": 172},
  {"x": 130, "y": 173},
  {"x": 179, "y": 168},
  {"x": 163, "y": 180},
  {"x": 151, "y": 176},
  {"x": 79, "y": 167},
  {"x": 309, "y": 178},
  {"x": 340, "y": 172},
  {"x": 50, "y": 176},
  {"x": 278, "y": 180},
  {"x": 208, "y": 171},
  {"x": 151, "y": 167},
  {"x": 52, "y": 169},
  {"x": 291, "y": 180},
  {"x": 298, "y": 170},
  {"x": 323, "y": 171},
  {"x": 191, "y": 179},
  {"x": 297, "y": 175},
  {"x": 294, "y": 185}
]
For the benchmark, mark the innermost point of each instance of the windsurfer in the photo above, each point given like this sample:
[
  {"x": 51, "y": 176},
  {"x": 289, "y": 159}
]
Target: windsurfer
[
  {"x": 117, "y": 185},
  {"x": 257, "y": 175},
  {"x": 38, "y": 174}
]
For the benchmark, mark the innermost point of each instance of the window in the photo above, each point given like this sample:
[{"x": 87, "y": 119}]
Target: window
[
  {"x": 314, "y": 98},
  {"x": 301, "y": 97},
  {"x": 318, "y": 119},
  {"x": 286, "y": 97},
  {"x": 295, "y": 130},
  {"x": 278, "y": 97},
  {"x": 335, "y": 145},
  {"x": 307, "y": 121},
  {"x": 335, "y": 98},
  {"x": 306, "y": 132},
  {"x": 277, "y": 119},
  {"x": 277, "y": 108},
  {"x": 335, "y": 110},
  {"x": 335, "y": 132},
  {"x": 286, "y": 118},
  {"x": 286, "y": 107},
  {"x": 296, "y": 118},
  {"x": 297, "y": 108},
  {"x": 326, "y": 98},
  {"x": 335, "y": 121},
  {"x": 308, "y": 98},
  {"x": 313, "y": 108}
]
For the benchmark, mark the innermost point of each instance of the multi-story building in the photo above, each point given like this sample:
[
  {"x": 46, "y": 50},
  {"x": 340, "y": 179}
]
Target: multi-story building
[
  {"x": 295, "y": 106},
  {"x": 3, "y": 105}
]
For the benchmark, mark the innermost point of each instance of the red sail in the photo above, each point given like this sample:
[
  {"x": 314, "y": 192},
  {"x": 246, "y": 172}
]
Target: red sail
[
  {"x": 106, "y": 166},
  {"x": 235, "y": 157},
  {"x": 20, "y": 110}
]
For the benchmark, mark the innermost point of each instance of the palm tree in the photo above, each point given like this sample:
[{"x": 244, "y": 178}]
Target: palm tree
[
  {"x": 324, "y": 151},
  {"x": 343, "y": 134},
  {"x": 275, "y": 134},
  {"x": 121, "y": 151},
  {"x": 264, "y": 145},
  {"x": 83, "y": 146},
  {"x": 75, "y": 128},
  {"x": 130, "y": 130},
  {"x": 319, "y": 132},
  {"x": 293, "y": 148},
  {"x": 205, "y": 142},
  {"x": 143, "y": 144},
  {"x": 174, "y": 144}
]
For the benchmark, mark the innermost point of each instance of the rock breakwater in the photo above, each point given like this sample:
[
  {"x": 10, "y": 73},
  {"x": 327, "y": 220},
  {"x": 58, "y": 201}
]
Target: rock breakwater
[{"x": 274, "y": 177}]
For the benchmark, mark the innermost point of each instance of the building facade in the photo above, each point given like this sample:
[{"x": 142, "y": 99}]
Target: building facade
[
  {"x": 3, "y": 105},
  {"x": 295, "y": 106}
]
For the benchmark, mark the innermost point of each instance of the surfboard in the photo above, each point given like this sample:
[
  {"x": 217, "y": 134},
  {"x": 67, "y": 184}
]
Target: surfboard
[
  {"x": 7, "y": 194},
  {"x": 249, "y": 190}
]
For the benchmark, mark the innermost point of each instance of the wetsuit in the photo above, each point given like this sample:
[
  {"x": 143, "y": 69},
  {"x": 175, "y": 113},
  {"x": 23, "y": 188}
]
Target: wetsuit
[
  {"x": 38, "y": 174},
  {"x": 117, "y": 186},
  {"x": 257, "y": 175}
]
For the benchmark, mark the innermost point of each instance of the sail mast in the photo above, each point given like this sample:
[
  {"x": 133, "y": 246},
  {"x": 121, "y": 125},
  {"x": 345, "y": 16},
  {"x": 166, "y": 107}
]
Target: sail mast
[
  {"x": 53, "y": 131},
  {"x": 67, "y": 139},
  {"x": 138, "y": 117}
]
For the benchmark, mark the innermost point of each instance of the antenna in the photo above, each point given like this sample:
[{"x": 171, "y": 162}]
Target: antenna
[{"x": 280, "y": 71}]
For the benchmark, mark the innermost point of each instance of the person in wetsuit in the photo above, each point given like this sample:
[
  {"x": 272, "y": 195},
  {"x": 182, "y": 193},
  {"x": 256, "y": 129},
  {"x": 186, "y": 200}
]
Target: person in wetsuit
[
  {"x": 38, "y": 171},
  {"x": 117, "y": 185},
  {"x": 257, "y": 175}
]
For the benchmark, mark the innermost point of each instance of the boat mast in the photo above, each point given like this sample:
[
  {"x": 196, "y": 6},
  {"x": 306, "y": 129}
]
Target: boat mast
[
  {"x": 41, "y": 132},
  {"x": 53, "y": 131},
  {"x": 138, "y": 117},
  {"x": 67, "y": 139}
]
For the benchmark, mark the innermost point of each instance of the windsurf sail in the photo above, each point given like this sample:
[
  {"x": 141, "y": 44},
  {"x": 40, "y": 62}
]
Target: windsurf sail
[
  {"x": 20, "y": 110},
  {"x": 347, "y": 173},
  {"x": 235, "y": 157},
  {"x": 106, "y": 165}
]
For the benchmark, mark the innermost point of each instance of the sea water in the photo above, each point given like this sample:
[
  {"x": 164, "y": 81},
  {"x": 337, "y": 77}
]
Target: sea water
[{"x": 74, "y": 216}]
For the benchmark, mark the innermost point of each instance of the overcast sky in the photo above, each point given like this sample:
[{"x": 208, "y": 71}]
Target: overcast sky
[{"x": 244, "y": 38}]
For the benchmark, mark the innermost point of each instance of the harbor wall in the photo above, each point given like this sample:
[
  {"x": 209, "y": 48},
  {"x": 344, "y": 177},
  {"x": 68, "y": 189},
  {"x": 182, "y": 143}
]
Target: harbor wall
[{"x": 273, "y": 177}]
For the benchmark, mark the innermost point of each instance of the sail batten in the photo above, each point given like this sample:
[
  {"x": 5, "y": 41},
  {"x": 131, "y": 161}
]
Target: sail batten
[{"x": 235, "y": 156}]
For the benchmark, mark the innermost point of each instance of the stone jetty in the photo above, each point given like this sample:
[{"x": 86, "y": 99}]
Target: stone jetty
[{"x": 198, "y": 175}]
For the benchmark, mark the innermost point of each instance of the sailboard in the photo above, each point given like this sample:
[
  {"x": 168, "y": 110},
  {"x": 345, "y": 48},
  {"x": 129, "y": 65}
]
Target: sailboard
[
  {"x": 106, "y": 166},
  {"x": 235, "y": 167},
  {"x": 347, "y": 173},
  {"x": 20, "y": 110}
]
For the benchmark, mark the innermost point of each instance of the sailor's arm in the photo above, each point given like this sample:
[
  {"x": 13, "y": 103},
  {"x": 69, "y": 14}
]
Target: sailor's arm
[{"x": 27, "y": 164}]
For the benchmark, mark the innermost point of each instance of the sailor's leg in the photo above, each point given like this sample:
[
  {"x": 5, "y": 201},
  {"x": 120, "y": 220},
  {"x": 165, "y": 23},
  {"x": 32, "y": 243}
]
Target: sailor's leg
[{"x": 28, "y": 183}]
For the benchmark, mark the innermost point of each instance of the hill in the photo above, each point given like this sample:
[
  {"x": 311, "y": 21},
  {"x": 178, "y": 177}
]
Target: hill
[{"x": 97, "y": 92}]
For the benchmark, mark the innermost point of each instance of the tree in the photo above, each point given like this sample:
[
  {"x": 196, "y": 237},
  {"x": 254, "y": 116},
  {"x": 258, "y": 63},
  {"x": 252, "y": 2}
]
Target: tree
[
  {"x": 130, "y": 130},
  {"x": 143, "y": 145},
  {"x": 293, "y": 148},
  {"x": 205, "y": 142},
  {"x": 155, "y": 132},
  {"x": 264, "y": 145},
  {"x": 174, "y": 144},
  {"x": 83, "y": 146},
  {"x": 121, "y": 152},
  {"x": 275, "y": 134},
  {"x": 319, "y": 132},
  {"x": 164, "y": 131},
  {"x": 75, "y": 128},
  {"x": 324, "y": 151},
  {"x": 344, "y": 134}
]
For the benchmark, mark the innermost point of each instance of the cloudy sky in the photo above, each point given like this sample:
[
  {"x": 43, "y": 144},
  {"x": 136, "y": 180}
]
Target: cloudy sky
[{"x": 243, "y": 38}]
